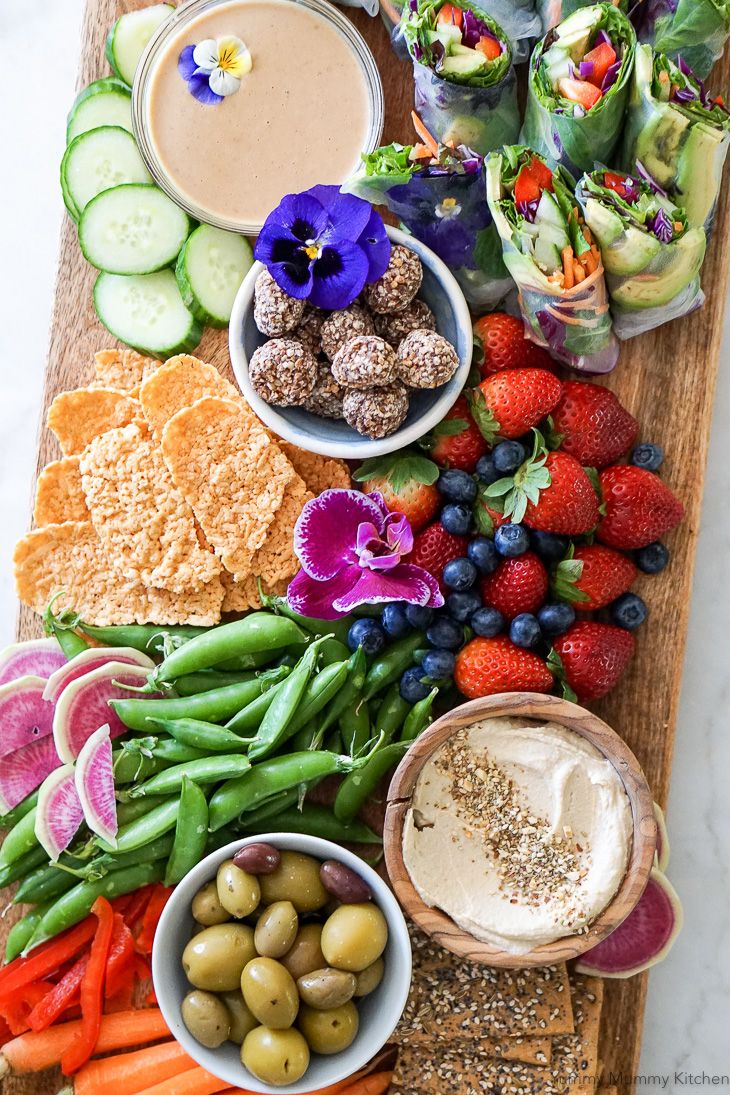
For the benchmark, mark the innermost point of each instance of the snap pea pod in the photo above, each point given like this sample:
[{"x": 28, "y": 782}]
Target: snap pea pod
[
  {"x": 205, "y": 736},
  {"x": 315, "y": 820},
  {"x": 354, "y": 725},
  {"x": 358, "y": 786},
  {"x": 391, "y": 665},
  {"x": 130, "y": 811},
  {"x": 214, "y": 706},
  {"x": 45, "y": 882},
  {"x": 275, "y": 805},
  {"x": 391, "y": 714},
  {"x": 195, "y": 683},
  {"x": 191, "y": 833},
  {"x": 9, "y": 820},
  {"x": 130, "y": 766},
  {"x": 145, "y": 637},
  {"x": 320, "y": 690},
  {"x": 248, "y": 720},
  {"x": 115, "y": 861},
  {"x": 19, "y": 840},
  {"x": 144, "y": 829},
  {"x": 276, "y": 721},
  {"x": 255, "y": 659},
  {"x": 70, "y": 642},
  {"x": 351, "y": 690},
  {"x": 174, "y": 752},
  {"x": 338, "y": 628},
  {"x": 304, "y": 739},
  {"x": 418, "y": 717},
  {"x": 204, "y": 770},
  {"x": 23, "y": 929},
  {"x": 333, "y": 741},
  {"x": 22, "y": 865}
]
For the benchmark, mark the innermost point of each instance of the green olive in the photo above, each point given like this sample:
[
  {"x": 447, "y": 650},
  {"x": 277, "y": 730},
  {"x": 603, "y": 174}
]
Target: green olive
[
  {"x": 276, "y": 929},
  {"x": 369, "y": 978},
  {"x": 296, "y": 879},
  {"x": 354, "y": 937},
  {"x": 241, "y": 1017},
  {"x": 270, "y": 992},
  {"x": 206, "y": 908},
  {"x": 275, "y": 1056},
  {"x": 214, "y": 958},
  {"x": 329, "y": 1031},
  {"x": 305, "y": 954},
  {"x": 238, "y": 892},
  {"x": 206, "y": 1017},
  {"x": 326, "y": 988}
]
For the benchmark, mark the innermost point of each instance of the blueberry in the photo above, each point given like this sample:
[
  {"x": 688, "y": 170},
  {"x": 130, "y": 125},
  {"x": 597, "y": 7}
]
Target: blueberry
[
  {"x": 525, "y": 630},
  {"x": 507, "y": 456},
  {"x": 550, "y": 547},
  {"x": 418, "y": 616},
  {"x": 438, "y": 663},
  {"x": 487, "y": 622},
  {"x": 462, "y": 606},
  {"x": 412, "y": 688},
  {"x": 459, "y": 574},
  {"x": 511, "y": 540},
  {"x": 456, "y": 519},
  {"x": 483, "y": 554},
  {"x": 652, "y": 558},
  {"x": 395, "y": 621},
  {"x": 648, "y": 456},
  {"x": 556, "y": 619},
  {"x": 457, "y": 486},
  {"x": 487, "y": 471},
  {"x": 368, "y": 634},
  {"x": 445, "y": 634},
  {"x": 629, "y": 611}
]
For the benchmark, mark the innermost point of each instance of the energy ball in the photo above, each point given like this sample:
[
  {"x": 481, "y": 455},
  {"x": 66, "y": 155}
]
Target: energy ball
[
  {"x": 426, "y": 360},
  {"x": 309, "y": 331},
  {"x": 275, "y": 312},
  {"x": 395, "y": 290},
  {"x": 365, "y": 362},
  {"x": 416, "y": 316},
  {"x": 327, "y": 394},
  {"x": 283, "y": 372},
  {"x": 340, "y": 327},
  {"x": 376, "y": 412}
]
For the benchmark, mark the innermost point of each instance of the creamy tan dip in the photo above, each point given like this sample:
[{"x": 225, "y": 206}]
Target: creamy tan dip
[
  {"x": 300, "y": 117},
  {"x": 519, "y": 831}
]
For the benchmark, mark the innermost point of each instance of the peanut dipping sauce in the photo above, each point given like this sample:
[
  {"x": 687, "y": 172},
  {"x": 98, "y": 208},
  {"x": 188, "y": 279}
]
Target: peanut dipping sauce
[{"x": 300, "y": 117}]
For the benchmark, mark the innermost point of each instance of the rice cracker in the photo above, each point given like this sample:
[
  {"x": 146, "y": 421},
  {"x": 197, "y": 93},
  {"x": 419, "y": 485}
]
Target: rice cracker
[
  {"x": 318, "y": 472},
  {"x": 78, "y": 416},
  {"x": 124, "y": 370},
  {"x": 243, "y": 595},
  {"x": 59, "y": 495},
  {"x": 179, "y": 383}
]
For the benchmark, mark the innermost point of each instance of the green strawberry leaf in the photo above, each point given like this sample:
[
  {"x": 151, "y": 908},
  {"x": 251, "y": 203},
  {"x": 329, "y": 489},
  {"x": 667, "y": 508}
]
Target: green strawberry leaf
[
  {"x": 483, "y": 521},
  {"x": 450, "y": 427},
  {"x": 567, "y": 573},
  {"x": 526, "y": 483},
  {"x": 487, "y": 424},
  {"x": 399, "y": 469},
  {"x": 596, "y": 484},
  {"x": 553, "y": 439},
  {"x": 555, "y": 665}
]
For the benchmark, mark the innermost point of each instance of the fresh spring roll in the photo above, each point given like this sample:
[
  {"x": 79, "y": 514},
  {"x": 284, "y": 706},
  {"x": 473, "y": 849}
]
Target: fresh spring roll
[
  {"x": 465, "y": 83},
  {"x": 578, "y": 87},
  {"x": 676, "y": 134},
  {"x": 553, "y": 12},
  {"x": 695, "y": 29},
  {"x": 552, "y": 258},
  {"x": 517, "y": 18},
  {"x": 651, "y": 256}
]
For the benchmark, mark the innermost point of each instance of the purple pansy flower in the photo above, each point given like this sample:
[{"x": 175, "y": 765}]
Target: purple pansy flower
[
  {"x": 214, "y": 68},
  {"x": 351, "y": 547},
  {"x": 323, "y": 246},
  {"x": 444, "y": 211}
]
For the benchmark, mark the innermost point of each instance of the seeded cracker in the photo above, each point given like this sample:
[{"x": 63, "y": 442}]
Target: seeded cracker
[
  {"x": 143, "y": 520},
  {"x": 180, "y": 382},
  {"x": 78, "y": 416},
  {"x": 318, "y": 472},
  {"x": 124, "y": 370},
  {"x": 59, "y": 495}
]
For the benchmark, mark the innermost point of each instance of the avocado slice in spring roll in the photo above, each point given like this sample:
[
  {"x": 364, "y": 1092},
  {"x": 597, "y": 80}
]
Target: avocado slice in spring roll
[
  {"x": 578, "y": 86},
  {"x": 550, "y": 253},
  {"x": 465, "y": 83},
  {"x": 696, "y": 30},
  {"x": 676, "y": 133},
  {"x": 651, "y": 255},
  {"x": 553, "y": 12}
]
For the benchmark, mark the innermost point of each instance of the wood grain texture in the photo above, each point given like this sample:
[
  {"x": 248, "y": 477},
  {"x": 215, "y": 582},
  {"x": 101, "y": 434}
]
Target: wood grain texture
[
  {"x": 521, "y": 705},
  {"x": 666, "y": 378}
]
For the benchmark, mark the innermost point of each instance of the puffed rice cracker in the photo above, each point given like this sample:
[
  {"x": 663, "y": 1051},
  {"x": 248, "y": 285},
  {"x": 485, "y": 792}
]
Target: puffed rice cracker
[
  {"x": 179, "y": 383},
  {"x": 78, "y": 416},
  {"x": 124, "y": 370},
  {"x": 59, "y": 495},
  {"x": 318, "y": 472}
]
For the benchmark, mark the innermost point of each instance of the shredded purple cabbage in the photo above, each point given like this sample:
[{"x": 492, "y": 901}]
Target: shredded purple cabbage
[
  {"x": 602, "y": 39},
  {"x": 472, "y": 29},
  {"x": 662, "y": 226},
  {"x": 611, "y": 76},
  {"x": 648, "y": 178},
  {"x": 417, "y": 51},
  {"x": 586, "y": 69},
  {"x": 528, "y": 209}
]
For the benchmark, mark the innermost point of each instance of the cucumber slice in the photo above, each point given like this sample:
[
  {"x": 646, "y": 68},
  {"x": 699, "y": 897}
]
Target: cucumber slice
[
  {"x": 128, "y": 37},
  {"x": 96, "y": 161},
  {"x": 132, "y": 229},
  {"x": 146, "y": 311},
  {"x": 209, "y": 271},
  {"x": 105, "y": 102}
]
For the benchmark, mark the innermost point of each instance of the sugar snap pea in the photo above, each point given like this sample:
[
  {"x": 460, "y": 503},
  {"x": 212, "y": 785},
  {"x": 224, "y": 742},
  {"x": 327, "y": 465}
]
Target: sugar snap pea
[
  {"x": 22, "y": 865},
  {"x": 214, "y": 706},
  {"x": 320, "y": 690},
  {"x": 145, "y": 637},
  {"x": 23, "y": 929},
  {"x": 174, "y": 752},
  {"x": 315, "y": 820},
  {"x": 191, "y": 833},
  {"x": 334, "y": 651},
  {"x": 146, "y": 828},
  {"x": 205, "y": 736},
  {"x": 358, "y": 786},
  {"x": 204, "y": 770},
  {"x": 305, "y": 738},
  {"x": 9, "y": 820},
  {"x": 354, "y": 724},
  {"x": 19, "y": 840},
  {"x": 418, "y": 717},
  {"x": 132, "y": 765},
  {"x": 276, "y": 721},
  {"x": 248, "y": 720},
  {"x": 333, "y": 741},
  {"x": 350, "y": 691},
  {"x": 130, "y": 811},
  {"x": 159, "y": 848},
  {"x": 45, "y": 882},
  {"x": 391, "y": 665},
  {"x": 275, "y": 805},
  {"x": 391, "y": 714},
  {"x": 338, "y": 628},
  {"x": 195, "y": 683}
]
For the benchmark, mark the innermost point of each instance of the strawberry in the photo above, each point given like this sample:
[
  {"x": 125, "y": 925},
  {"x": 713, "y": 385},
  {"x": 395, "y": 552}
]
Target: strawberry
[
  {"x": 591, "y": 657},
  {"x": 593, "y": 577},
  {"x": 485, "y": 667},
  {"x": 639, "y": 507},
  {"x": 434, "y": 547},
  {"x": 596, "y": 429},
  {"x": 505, "y": 345},
  {"x": 457, "y": 442},
  {"x": 511, "y": 402},
  {"x": 569, "y": 504},
  {"x": 406, "y": 481},
  {"x": 517, "y": 585}
]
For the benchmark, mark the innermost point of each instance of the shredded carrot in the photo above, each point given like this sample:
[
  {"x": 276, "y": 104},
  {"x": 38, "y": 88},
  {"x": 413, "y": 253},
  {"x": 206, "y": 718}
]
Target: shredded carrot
[
  {"x": 377, "y": 1083},
  {"x": 125, "y": 1073},
  {"x": 424, "y": 134},
  {"x": 579, "y": 273},
  {"x": 567, "y": 257},
  {"x": 587, "y": 234},
  {"x": 420, "y": 152},
  {"x": 589, "y": 261}
]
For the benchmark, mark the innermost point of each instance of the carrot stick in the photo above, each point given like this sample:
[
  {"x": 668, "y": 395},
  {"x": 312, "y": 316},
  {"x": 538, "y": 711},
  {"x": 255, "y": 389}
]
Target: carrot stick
[
  {"x": 423, "y": 133},
  {"x": 567, "y": 257},
  {"x": 377, "y": 1083},
  {"x": 195, "y": 1081},
  {"x": 340, "y": 1087},
  {"x": 127, "y": 1073},
  {"x": 589, "y": 261},
  {"x": 579, "y": 273}
]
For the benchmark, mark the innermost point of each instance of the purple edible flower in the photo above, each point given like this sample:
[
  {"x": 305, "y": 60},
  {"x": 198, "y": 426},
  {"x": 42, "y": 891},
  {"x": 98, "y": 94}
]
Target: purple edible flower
[
  {"x": 662, "y": 227},
  {"x": 350, "y": 547},
  {"x": 198, "y": 81}
]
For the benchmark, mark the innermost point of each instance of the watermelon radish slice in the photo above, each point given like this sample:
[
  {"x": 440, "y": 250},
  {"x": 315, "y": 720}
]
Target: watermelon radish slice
[
  {"x": 95, "y": 784},
  {"x": 87, "y": 661},
  {"x": 83, "y": 706},
  {"x": 644, "y": 938},
  {"x": 662, "y": 839},
  {"x": 25, "y": 716},
  {"x": 24, "y": 770},
  {"x": 36, "y": 657},
  {"x": 59, "y": 812}
]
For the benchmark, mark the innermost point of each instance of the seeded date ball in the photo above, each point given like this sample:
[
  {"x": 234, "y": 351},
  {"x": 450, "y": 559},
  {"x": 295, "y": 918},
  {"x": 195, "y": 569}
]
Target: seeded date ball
[
  {"x": 340, "y": 327},
  {"x": 275, "y": 312},
  {"x": 327, "y": 394},
  {"x": 376, "y": 412},
  {"x": 365, "y": 362},
  {"x": 426, "y": 360},
  {"x": 309, "y": 331},
  {"x": 416, "y": 316},
  {"x": 283, "y": 372},
  {"x": 395, "y": 290}
]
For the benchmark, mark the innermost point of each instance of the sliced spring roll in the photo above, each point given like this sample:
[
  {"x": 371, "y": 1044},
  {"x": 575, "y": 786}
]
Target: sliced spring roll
[
  {"x": 552, "y": 258},
  {"x": 651, "y": 256},
  {"x": 677, "y": 134},
  {"x": 578, "y": 87},
  {"x": 696, "y": 30},
  {"x": 518, "y": 19},
  {"x": 465, "y": 83},
  {"x": 553, "y": 12}
]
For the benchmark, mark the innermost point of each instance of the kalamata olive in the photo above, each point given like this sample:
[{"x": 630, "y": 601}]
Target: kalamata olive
[
  {"x": 276, "y": 929},
  {"x": 343, "y": 883},
  {"x": 206, "y": 908},
  {"x": 305, "y": 954},
  {"x": 354, "y": 937},
  {"x": 329, "y": 1031},
  {"x": 275, "y": 1056},
  {"x": 270, "y": 992},
  {"x": 326, "y": 988},
  {"x": 214, "y": 958},
  {"x": 206, "y": 1017},
  {"x": 258, "y": 858},
  {"x": 238, "y": 891},
  {"x": 369, "y": 978}
]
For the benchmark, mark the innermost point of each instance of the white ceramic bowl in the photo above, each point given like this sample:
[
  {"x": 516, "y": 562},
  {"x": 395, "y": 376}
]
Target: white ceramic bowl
[
  {"x": 379, "y": 1012},
  {"x": 328, "y": 436}
]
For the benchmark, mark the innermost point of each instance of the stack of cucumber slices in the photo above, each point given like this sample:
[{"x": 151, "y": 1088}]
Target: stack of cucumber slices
[{"x": 161, "y": 278}]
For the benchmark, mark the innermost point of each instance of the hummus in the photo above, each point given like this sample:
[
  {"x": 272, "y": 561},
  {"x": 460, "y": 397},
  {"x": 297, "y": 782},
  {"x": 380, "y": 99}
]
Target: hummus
[{"x": 519, "y": 831}]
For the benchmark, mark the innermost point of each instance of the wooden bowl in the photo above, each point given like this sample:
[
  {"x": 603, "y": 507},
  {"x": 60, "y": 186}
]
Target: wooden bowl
[{"x": 524, "y": 705}]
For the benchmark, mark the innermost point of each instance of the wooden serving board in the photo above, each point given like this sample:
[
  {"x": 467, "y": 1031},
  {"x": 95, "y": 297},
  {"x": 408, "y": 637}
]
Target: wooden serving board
[{"x": 666, "y": 379}]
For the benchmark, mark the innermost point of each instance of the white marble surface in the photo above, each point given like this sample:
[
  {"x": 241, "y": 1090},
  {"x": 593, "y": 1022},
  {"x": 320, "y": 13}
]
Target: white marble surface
[{"x": 689, "y": 996}]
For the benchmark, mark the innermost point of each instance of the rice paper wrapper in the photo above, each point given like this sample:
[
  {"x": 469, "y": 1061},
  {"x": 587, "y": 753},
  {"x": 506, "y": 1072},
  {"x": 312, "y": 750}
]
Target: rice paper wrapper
[
  {"x": 552, "y": 12},
  {"x": 695, "y": 29},
  {"x": 520, "y": 22},
  {"x": 390, "y": 13},
  {"x": 482, "y": 118}
]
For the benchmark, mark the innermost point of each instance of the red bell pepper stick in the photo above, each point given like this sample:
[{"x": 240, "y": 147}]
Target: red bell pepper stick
[
  {"x": 152, "y": 914},
  {"x": 15, "y": 1010},
  {"x": 91, "y": 991},
  {"x": 47, "y": 958}
]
